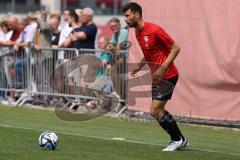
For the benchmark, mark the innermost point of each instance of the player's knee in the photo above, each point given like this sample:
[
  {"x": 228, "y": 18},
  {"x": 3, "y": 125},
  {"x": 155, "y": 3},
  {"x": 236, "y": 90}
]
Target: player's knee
[
  {"x": 153, "y": 112},
  {"x": 157, "y": 111}
]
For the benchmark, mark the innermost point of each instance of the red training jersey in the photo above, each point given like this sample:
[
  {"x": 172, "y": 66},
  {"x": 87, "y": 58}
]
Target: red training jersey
[{"x": 156, "y": 44}]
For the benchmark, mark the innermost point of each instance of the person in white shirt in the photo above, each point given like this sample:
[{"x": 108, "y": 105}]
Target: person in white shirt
[
  {"x": 12, "y": 30},
  {"x": 25, "y": 40},
  {"x": 66, "y": 30},
  {"x": 5, "y": 35},
  {"x": 27, "y": 35}
]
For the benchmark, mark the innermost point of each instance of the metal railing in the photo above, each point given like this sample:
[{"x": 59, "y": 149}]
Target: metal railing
[{"x": 77, "y": 75}]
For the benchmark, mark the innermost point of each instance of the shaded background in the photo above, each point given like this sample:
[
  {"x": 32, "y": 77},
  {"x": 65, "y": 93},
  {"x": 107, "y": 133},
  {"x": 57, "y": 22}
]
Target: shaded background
[{"x": 208, "y": 32}]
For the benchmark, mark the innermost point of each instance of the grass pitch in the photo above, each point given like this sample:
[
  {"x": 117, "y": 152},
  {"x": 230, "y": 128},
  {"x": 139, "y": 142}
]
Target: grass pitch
[{"x": 94, "y": 139}]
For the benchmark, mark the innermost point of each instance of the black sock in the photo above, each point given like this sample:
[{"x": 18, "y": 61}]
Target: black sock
[{"x": 168, "y": 123}]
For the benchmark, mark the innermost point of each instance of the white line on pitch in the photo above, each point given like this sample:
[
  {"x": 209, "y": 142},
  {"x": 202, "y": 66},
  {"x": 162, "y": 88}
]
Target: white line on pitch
[{"x": 122, "y": 139}]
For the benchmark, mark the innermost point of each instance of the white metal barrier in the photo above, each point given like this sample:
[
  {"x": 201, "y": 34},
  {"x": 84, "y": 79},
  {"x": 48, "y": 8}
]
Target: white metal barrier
[
  {"x": 69, "y": 73},
  {"x": 14, "y": 72}
]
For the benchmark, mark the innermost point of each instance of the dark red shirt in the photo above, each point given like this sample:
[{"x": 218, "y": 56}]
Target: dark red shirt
[
  {"x": 156, "y": 44},
  {"x": 15, "y": 35}
]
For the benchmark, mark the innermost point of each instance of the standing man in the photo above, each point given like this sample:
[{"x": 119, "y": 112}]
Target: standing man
[
  {"x": 159, "y": 51},
  {"x": 44, "y": 59}
]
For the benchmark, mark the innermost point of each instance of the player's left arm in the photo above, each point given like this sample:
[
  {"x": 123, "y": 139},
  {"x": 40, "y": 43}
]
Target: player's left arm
[{"x": 174, "y": 51}]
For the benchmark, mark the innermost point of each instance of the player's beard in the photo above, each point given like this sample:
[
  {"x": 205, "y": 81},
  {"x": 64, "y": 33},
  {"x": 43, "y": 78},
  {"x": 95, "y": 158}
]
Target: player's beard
[{"x": 134, "y": 24}]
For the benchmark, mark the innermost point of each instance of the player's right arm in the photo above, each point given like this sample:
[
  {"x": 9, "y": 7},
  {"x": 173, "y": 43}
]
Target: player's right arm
[{"x": 138, "y": 67}]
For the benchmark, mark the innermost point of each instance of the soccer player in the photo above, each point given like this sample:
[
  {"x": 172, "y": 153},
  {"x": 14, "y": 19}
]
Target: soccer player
[{"x": 159, "y": 51}]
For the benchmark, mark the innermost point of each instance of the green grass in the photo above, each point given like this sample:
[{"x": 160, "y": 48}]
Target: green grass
[{"x": 93, "y": 140}]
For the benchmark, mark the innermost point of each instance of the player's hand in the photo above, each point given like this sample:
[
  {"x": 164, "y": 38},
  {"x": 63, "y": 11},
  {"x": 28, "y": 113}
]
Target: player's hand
[{"x": 159, "y": 73}]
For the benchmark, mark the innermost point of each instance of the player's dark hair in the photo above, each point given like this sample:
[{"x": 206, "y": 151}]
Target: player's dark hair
[{"x": 134, "y": 7}]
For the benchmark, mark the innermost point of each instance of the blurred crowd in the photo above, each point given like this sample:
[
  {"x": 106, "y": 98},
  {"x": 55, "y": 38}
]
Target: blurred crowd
[{"x": 74, "y": 28}]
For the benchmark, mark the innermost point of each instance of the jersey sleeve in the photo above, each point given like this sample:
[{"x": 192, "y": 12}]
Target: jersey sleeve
[{"x": 162, "y": 36}]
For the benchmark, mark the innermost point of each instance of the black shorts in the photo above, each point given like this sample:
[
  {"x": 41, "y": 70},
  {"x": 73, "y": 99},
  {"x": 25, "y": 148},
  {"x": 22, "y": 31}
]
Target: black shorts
[{"x": 164, "y": 90}]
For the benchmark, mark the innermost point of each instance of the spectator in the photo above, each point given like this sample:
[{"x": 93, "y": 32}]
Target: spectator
[
  {"x": 102, "y": 42},
  {"x": 45, "y": 60},
  {"x": 74, "y": 22},
  {"x": 103, "y": 82},
  {"x": 119, "y": 34},
  {"x": 84, "y": 37},
  {"x": 79, "y": 13},
  {"x": 73, "y": 19},
  {"x": 8, "y": 61},
  {"x": 44, "y": 32},
  {"x": 105, "y": 57},
  {"x": 29, "y": 27},
  {"x": 66, "y": 30},
  {"x": 13, "y": 26},
  {"x": 25, "y": 40},
  {"x": 5, "y": 35},
  {"x": 32, "y": 20},
  {"x": 55, "y": 19}
]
